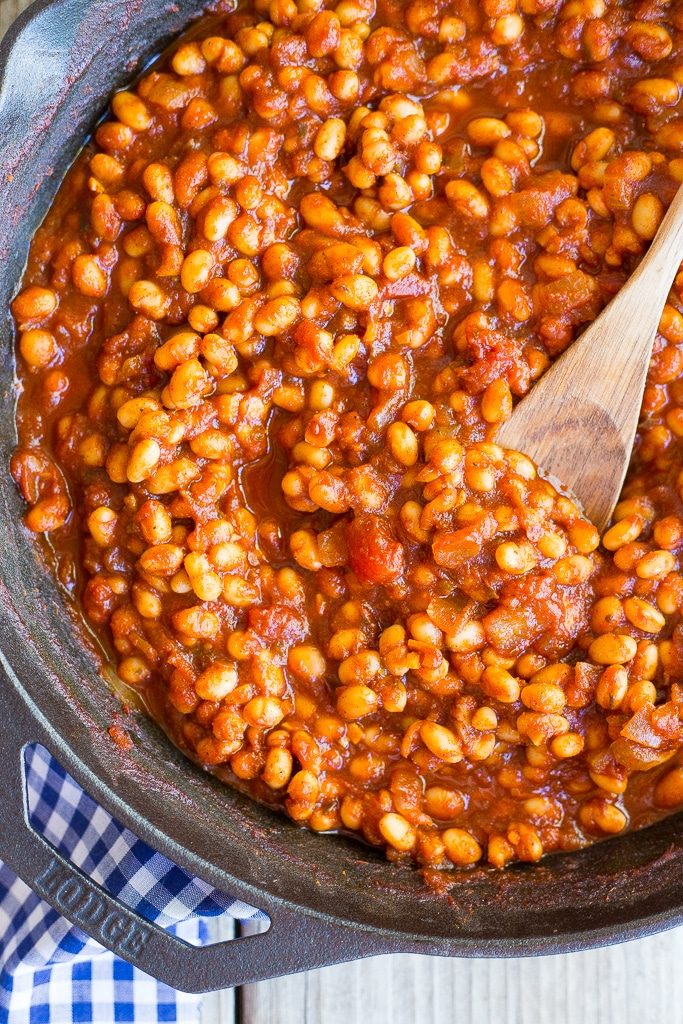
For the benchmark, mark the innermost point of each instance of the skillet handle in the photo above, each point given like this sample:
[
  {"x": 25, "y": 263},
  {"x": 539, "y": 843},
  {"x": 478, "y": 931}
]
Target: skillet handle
[{"x": 296, "y": 941}]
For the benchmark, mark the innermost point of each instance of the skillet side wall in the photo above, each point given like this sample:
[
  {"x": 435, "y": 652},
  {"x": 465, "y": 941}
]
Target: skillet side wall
[{"x": 58, "y": 73}]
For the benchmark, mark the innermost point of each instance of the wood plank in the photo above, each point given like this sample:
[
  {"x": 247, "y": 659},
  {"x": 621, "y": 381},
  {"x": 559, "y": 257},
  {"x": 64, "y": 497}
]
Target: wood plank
[
  {"x": 634, "y": 983},
  {"x": 9, "y": 9},
  {"x": 220, "y": 1007}
]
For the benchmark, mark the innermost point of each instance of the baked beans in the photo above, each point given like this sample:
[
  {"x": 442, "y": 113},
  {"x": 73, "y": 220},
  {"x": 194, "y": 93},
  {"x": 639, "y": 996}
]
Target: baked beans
[{"x": 267, "y": 334}]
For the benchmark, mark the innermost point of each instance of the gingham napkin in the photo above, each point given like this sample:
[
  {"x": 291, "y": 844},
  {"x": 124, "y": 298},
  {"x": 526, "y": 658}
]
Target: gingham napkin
[{"x": 50, "y": 971}]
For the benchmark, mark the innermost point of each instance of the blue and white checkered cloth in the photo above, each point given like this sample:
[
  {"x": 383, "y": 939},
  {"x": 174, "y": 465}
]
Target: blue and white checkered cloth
[{"x": 50, "y": 971}]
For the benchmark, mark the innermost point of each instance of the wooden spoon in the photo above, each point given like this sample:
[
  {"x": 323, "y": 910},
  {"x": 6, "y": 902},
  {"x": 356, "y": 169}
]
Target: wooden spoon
[{"x": 579, "y": 421}]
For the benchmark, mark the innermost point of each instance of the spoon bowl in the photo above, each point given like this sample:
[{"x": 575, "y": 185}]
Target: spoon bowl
[{"x": 579, "y": 422}]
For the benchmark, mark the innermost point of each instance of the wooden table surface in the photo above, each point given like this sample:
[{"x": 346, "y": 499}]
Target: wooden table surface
[{"x": 635, "y": 983}]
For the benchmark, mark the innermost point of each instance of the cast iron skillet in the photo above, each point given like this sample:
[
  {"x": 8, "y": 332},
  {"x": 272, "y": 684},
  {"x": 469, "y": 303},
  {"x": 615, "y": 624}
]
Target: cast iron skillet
[{"x": 328, "y": 899}]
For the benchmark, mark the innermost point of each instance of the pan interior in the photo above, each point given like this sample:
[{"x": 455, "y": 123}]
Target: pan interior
[{"x": 87, "y": 48}]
